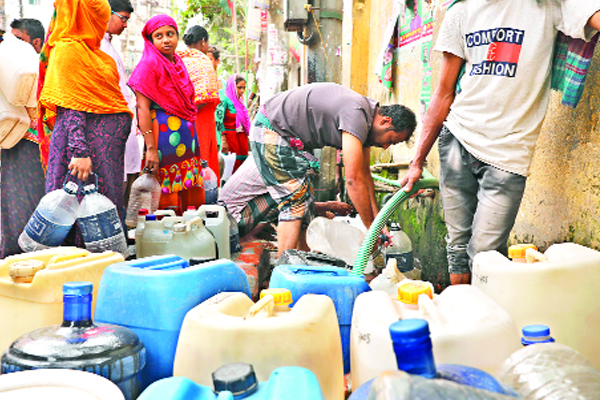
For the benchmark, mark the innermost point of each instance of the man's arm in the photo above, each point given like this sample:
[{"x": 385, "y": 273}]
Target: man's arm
[
  {"x": 594, "y": 21},
  {"x": 359, "y": 182},
  {"x": 435, "y": 117}
]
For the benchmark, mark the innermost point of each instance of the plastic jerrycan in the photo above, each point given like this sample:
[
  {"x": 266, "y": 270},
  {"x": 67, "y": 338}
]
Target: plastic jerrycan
[
  {"x": 64, "y": 384},
  {"x": 18, "y": 75},
  {"x": 230, "y": 328},
  {"x": 14, "y": 122},
  {"x": 559, "y": 292},
  {"x": 216, "y": 221},
  {"x": 111, "y": 351},
  {"x": 337, "y": 283},
  {"x": 151, "y": 296},
  {"x": 191, "y": 240},
  {"x": 238, "y": 380},
  {"x": 36, "y": 301},
  {"x": 467, "y": 328},
  {"x": 157, "y": 234}
]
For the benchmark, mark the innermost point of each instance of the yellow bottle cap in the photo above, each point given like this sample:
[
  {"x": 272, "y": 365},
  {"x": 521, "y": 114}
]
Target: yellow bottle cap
[
  {"x": 23, "y": 271},
  {"x": 518, "y": 250},
  {"x": 409, "y": 292},
  {"x": 282, "y": 297}
]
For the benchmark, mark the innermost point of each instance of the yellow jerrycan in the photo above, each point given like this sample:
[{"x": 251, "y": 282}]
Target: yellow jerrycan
[
  {"x": 230, "y": 328},
  {"x": 31, "y": 286}
]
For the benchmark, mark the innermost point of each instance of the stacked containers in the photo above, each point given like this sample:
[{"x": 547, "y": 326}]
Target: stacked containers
[
  {"x": 467, "y": 328},
  {"x": 38, "y": 303},
  {"x": 337, "y": 283},
  {"x": 229, "y": 328},
  {"x": 239, "y": 380},
  {"x": 559, "y": 292},
  {"x": 152, "y": 295}
]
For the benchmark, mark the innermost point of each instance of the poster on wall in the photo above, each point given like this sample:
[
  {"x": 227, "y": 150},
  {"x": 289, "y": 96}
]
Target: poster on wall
[
  {"x": 416, "y": 23},
  {"x": 384, "y": 67}
]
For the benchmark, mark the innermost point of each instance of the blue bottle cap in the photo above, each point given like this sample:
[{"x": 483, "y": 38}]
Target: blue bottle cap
[
  {"x": 237, "y": 378},
  {"x": 409, "y": 329},
  {"x": 77, "y": 288},
  {"x": 536, "y": 331},
  {"x": 150, "y": 217}
]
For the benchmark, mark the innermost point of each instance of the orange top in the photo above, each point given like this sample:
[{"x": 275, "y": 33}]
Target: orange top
[{"x": 79, "y": 75}]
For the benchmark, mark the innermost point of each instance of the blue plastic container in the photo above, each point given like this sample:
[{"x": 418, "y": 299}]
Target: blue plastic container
[
  {"x": 238, "y": 381},
  {"x": 151, "y": 296},
  {"x": 113, "y": 352},
  {"x": 335, "y": 282},
  {"x": 414, "y": 355}
]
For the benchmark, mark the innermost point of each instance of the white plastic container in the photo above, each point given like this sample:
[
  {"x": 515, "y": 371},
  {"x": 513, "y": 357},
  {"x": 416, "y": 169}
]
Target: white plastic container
[
  {"x": 334, "y": 238},
  {"x": 14, "y": 122},
  {"x": 229, "y": 328},
  {"x": 157, "y": 234},
  {"x": 191, "y": 240},
  {"x": 467, "y": 328},
  {"x": 54, "y": 384},
  {"x": 560, "y": 293},
  {"x": 18, "y": 71},
  {"x": 216, "y": 221}
]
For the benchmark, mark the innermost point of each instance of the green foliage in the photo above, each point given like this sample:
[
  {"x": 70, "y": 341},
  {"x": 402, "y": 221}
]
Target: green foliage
[{"x": 218, "y": 23}]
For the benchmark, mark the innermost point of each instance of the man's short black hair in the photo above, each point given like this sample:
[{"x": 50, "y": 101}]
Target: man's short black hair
[
  {"x": 32, "y": 27},
  {"x": 121, "y": 6},
  {"x": 403, "y": 118}
]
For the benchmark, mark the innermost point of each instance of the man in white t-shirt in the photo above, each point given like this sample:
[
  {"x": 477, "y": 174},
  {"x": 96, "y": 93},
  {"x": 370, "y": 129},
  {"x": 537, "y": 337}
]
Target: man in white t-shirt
[
  {"x": 487, "y": 130},
  {"x": 120, "y": 13}
]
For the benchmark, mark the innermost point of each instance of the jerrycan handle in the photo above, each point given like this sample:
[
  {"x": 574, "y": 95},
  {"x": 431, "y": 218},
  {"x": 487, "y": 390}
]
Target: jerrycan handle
[
  {"x": 195, "y": 223},
  {"x": 427, "y": 308},
  {"x": 267, "y": 301},
  {"x": 66, "y": 257},
  {"x": 166, "y": 213},
  {"x": 532, "y": 255}
]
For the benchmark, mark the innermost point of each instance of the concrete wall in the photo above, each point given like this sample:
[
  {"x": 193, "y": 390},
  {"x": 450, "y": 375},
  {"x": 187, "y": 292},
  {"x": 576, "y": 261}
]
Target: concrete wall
[{"x": 562, "y": 199}]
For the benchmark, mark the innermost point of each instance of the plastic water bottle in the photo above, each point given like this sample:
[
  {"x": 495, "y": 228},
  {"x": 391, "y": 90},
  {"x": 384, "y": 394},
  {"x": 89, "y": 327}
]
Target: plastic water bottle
[
  {"x": 400, "y": 249},
  {"x": 100, "y": 224},
  {"x": 414, "y": 355},
  {"x": 145, "y": 193},
  {"x": 111, "y": 351},
  {"x": 551, "y": 371},
  {"x": 52, "y": 219},
  {"x": 211, "y": 190},
  {"x": 533, "y": 334}
]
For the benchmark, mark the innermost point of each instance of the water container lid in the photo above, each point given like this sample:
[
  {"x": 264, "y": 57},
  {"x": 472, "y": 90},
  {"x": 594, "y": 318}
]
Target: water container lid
[
  {"x": 394, "y": 226},
  {"x": 179, "y": 227},
  {"x": 71, "y": 187},
  {"x": 143, "y": 211},
  {"x": 204, "y": 163},
  {"x": 412, "y": 328},
  {"x": 191, "y": 208},
  {"x": 24, "y": 270},
  {"x": 282, "y": 296},
  {"x": 536, "y": 331},
  {"x": 77, "y": 288},
  {"x": 91, "y": 188},
  {"x": 518, "y": 250},
  {"x": 150, "y": 217},
  {"x": 409, "y": 292},
  {"x": 238, "y": 378}
]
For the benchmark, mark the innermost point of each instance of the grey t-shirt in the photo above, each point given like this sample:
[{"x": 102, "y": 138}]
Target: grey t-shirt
[{"x": 318, "y": 113}]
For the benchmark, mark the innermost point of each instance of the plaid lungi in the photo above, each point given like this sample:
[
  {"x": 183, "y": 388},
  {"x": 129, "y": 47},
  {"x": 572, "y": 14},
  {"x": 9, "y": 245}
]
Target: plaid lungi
[{"x": 286, "y": 169}]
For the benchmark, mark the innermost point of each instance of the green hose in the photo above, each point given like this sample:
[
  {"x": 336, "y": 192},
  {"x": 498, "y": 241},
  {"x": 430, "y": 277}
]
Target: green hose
[{"x": 427, "y": 181}]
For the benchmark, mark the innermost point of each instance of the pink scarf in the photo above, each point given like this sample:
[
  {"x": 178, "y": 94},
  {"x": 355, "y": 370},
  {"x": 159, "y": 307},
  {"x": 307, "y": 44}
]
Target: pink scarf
[
  {"x": 166, "y": 84},
  {"x": 241, "y": 113}
]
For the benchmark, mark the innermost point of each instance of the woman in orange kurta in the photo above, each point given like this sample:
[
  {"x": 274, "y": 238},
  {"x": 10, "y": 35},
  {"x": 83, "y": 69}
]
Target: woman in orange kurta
[{"x": 204, "y": 78}]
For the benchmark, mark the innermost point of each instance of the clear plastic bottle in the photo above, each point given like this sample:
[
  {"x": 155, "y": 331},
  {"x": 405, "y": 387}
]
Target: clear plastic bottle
[
  {"x": 139, "y": 231},
  {"x": 100, "y": 223},
  {"x": 211, "y": 189},
  {"x": 52, "y": 219},
  {"x": 533, "y": 334},
  {"x": 400, "y": 249},
  {"x": 551, "y": 371},
  {"x": 111, "y": 351},
  {"x": 145, "y": 193},
  {"x": 412, "y": 345}
]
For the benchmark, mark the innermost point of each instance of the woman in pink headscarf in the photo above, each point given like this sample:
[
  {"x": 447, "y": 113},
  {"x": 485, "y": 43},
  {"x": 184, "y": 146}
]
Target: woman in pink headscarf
[
  {"x": 166, "y": 116},
  {"x": 233, "y": 119}
]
